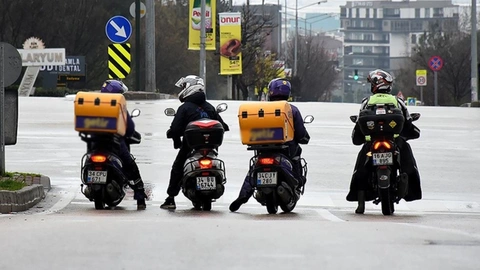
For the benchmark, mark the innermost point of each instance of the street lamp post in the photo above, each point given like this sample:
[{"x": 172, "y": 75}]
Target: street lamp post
[{"x": 296, "y": 32}]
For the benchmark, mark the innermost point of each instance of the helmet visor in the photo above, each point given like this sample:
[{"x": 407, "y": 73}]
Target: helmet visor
[{"x": 180, "y": 83}]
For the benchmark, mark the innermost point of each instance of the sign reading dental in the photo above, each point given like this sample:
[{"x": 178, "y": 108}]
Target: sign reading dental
[
  {"x": 118, "y": 29},
  {"x": 74, "y": 65}
]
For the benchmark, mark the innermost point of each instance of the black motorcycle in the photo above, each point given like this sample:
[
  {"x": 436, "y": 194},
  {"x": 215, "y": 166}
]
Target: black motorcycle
[
  {"x": 274, "y": 181},
  {"x": 101, "y": 171},
  {"x": 204, "y": 175},
  {"x": 382, "y": 124}
]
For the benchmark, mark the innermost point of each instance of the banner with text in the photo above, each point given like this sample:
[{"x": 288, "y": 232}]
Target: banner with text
[
  {"x": 230, "y": 43},
  {"x": 195, "y": 10}
]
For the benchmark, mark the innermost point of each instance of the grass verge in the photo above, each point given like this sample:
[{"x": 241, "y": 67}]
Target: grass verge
[{"x": 13, "y": 181}]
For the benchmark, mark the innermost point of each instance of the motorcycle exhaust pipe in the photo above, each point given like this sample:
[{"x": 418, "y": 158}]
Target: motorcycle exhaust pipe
[
  {"x": 113, "y": 191},
  {"x": 284, "y": 195},
  {"x": 219, "y": 192}
]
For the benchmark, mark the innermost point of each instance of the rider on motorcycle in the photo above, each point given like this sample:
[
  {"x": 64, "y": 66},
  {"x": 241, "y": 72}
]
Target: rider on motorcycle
[
  {"x": 130, "y": 168},
  {"x": 280, "y": 89},
  {"x": 381, "y": 86},
  {"x": 194, "y": 107}
]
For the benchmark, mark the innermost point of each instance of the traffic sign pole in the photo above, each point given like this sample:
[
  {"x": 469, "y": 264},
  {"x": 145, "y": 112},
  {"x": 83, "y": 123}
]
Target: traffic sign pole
[
  {"x": 137, "y": 45},
  {"x": 421, "y": 94},
  {"x": 435, "y": 87},
  {"x": 2, "y": 114}
]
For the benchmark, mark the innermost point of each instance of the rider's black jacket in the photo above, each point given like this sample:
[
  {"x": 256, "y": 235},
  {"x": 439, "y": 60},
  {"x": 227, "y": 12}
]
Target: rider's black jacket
[{"x": 194, "y": 108}]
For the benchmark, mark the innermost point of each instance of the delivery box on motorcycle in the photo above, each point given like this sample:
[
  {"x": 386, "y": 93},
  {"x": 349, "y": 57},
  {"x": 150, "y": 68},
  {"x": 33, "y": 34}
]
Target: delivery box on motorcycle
[
  {"x": 204, "y": 133},
  {"x": 381, "y": 120},
  {"x": 269, "y": 122},
  {"x": 100, "y": 112}
]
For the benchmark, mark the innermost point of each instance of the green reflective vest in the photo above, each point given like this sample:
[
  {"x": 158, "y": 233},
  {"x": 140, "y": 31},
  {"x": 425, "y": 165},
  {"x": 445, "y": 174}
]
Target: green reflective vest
[{"x": 382, "y": 98}]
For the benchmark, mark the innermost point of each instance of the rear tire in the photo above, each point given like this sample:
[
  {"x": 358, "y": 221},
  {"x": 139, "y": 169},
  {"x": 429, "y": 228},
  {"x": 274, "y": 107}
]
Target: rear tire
[
  {"x": 98, "y": 199},
  {"x": 387, "y": 202},
  {"x": 272, "y": 206},
  {"x": 207, "y": 204},
  {"x": 99, "y": 204}
]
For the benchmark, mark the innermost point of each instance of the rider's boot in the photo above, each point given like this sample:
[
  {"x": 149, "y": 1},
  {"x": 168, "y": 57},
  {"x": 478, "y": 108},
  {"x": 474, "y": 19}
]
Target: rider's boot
[
  {"x": 235, "y": 205},
  {"x": 361, "y": 202}
]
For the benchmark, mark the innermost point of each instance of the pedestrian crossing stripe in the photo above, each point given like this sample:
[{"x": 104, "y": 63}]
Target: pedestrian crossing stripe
[{"x": 119, "y": 59}]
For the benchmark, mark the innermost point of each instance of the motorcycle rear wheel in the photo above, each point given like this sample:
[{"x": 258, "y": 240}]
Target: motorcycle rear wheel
[
  {"x": 387, "y": 202},
  {"x": 99, "y": 204},
  {"x": 271, "y": 202},
  {"x": 207, "y": 204}
]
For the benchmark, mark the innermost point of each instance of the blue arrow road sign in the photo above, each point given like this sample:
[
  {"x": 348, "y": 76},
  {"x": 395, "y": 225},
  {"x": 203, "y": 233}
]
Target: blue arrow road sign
[{"x": 118, "y": 29}]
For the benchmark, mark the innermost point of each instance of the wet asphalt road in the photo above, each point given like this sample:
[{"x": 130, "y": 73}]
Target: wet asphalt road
[{"x": 65, "y": 231}]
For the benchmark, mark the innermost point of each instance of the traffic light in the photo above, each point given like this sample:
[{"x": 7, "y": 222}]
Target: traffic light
[{"x": 355, "y": 76}]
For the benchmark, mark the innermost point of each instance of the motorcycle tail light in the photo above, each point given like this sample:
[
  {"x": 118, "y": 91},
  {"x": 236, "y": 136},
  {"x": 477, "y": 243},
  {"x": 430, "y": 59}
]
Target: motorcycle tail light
[
  {"x": 379, "y": 144},
  {"x": 98, "y": 158},
  {"x": 266, "y": 161},
  {"x": 205, "y": 163}
]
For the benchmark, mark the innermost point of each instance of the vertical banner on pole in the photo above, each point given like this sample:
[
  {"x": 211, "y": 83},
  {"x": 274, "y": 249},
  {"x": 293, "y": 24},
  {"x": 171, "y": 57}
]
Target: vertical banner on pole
[
  {"x": 230, "y": 43},
  {"x": 195, "y": 15}
]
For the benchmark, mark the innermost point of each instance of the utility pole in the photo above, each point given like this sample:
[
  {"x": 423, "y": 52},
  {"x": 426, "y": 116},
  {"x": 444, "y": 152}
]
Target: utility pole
[
  {"x": 137, "y": 45},
  {"x": 230, "y": 94},
  {"x": 150, "y": 81},
  {"x": 473, "y": 53},
  {"x": 203, "y": 54}
]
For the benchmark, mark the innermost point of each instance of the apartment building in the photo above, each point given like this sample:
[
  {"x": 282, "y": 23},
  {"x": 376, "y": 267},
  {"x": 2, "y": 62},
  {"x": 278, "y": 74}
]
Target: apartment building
[{"x": 382, "y": 33}]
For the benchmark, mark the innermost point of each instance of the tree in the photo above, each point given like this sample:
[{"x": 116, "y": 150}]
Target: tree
[
  {"x": 255, "y": 28},
  {"x": 316, "y": 75},
  {"x": 453, "y": 79}
]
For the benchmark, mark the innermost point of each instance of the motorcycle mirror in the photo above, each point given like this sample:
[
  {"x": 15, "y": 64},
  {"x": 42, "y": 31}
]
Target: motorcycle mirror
[
  {"x": 415, "y": 116},
  {"x": 169, "y": 112},
  {"x": 135, "y": 113},
  {"x": 353, "y": 118},
  {"x": 308, "y": 119},
  {"x": 222, "y": 107}
]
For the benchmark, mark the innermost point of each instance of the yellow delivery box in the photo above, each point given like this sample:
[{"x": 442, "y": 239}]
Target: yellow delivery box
[
  {"x": 269, "y": 122},
  {"x": 100, "y": 112}
]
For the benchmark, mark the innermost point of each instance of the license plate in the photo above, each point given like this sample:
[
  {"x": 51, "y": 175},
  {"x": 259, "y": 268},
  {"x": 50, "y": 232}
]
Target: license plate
[
  {"x": 382, "y": 158},
  {"x": 206, "y": 183},
  {"x": 381, "y": 111},
  {"x": 97, "y": 177},
  {"x": 266, "y": 178}
]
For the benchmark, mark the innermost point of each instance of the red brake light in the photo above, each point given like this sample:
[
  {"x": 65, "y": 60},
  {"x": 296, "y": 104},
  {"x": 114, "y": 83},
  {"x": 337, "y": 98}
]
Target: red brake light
[
  {"x": 98, "y": 158},
  {"x": 386, "y": 144},
  {"x": 205, "y": 163},
  {"x": 266, "y": 161}
]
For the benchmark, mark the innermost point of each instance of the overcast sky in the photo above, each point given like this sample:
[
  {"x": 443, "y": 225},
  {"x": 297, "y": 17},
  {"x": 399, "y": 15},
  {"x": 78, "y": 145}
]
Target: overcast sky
[{"x": 330, "y": 6}]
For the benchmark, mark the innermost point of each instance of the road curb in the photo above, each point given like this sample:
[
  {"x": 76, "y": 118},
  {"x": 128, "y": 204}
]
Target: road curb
[
  {"x": 25, "y": 198},
  {"x": 140, "y": 95}
]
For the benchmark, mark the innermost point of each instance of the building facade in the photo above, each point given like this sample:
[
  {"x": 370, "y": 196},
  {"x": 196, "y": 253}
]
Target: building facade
[{"x": 382, "y": 33}]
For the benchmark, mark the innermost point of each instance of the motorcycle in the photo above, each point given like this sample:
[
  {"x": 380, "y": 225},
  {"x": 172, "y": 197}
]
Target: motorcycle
[
  {"x": 204, "y": 175},
  {"x": 382, "y": 124},
  {"x": 274, "y": 182},
  {"x": 101, "y": 170}
]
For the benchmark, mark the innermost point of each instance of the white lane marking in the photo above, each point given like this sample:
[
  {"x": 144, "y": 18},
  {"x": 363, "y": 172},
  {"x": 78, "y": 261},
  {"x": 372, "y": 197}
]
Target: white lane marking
[
  {"x": 441, "y": 229},
  {"x": 328, "y": 215},
  {"x": 65, "y": 200}
]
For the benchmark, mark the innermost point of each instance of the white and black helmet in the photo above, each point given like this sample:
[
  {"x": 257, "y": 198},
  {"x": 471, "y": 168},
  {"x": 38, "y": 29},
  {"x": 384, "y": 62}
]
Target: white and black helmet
[{"x": 190, "y": 85}]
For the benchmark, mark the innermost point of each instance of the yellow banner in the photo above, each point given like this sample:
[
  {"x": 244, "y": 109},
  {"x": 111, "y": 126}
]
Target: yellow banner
[
  {"x": 195, "y": 9},
  {"x": 230, "y": 43}
]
